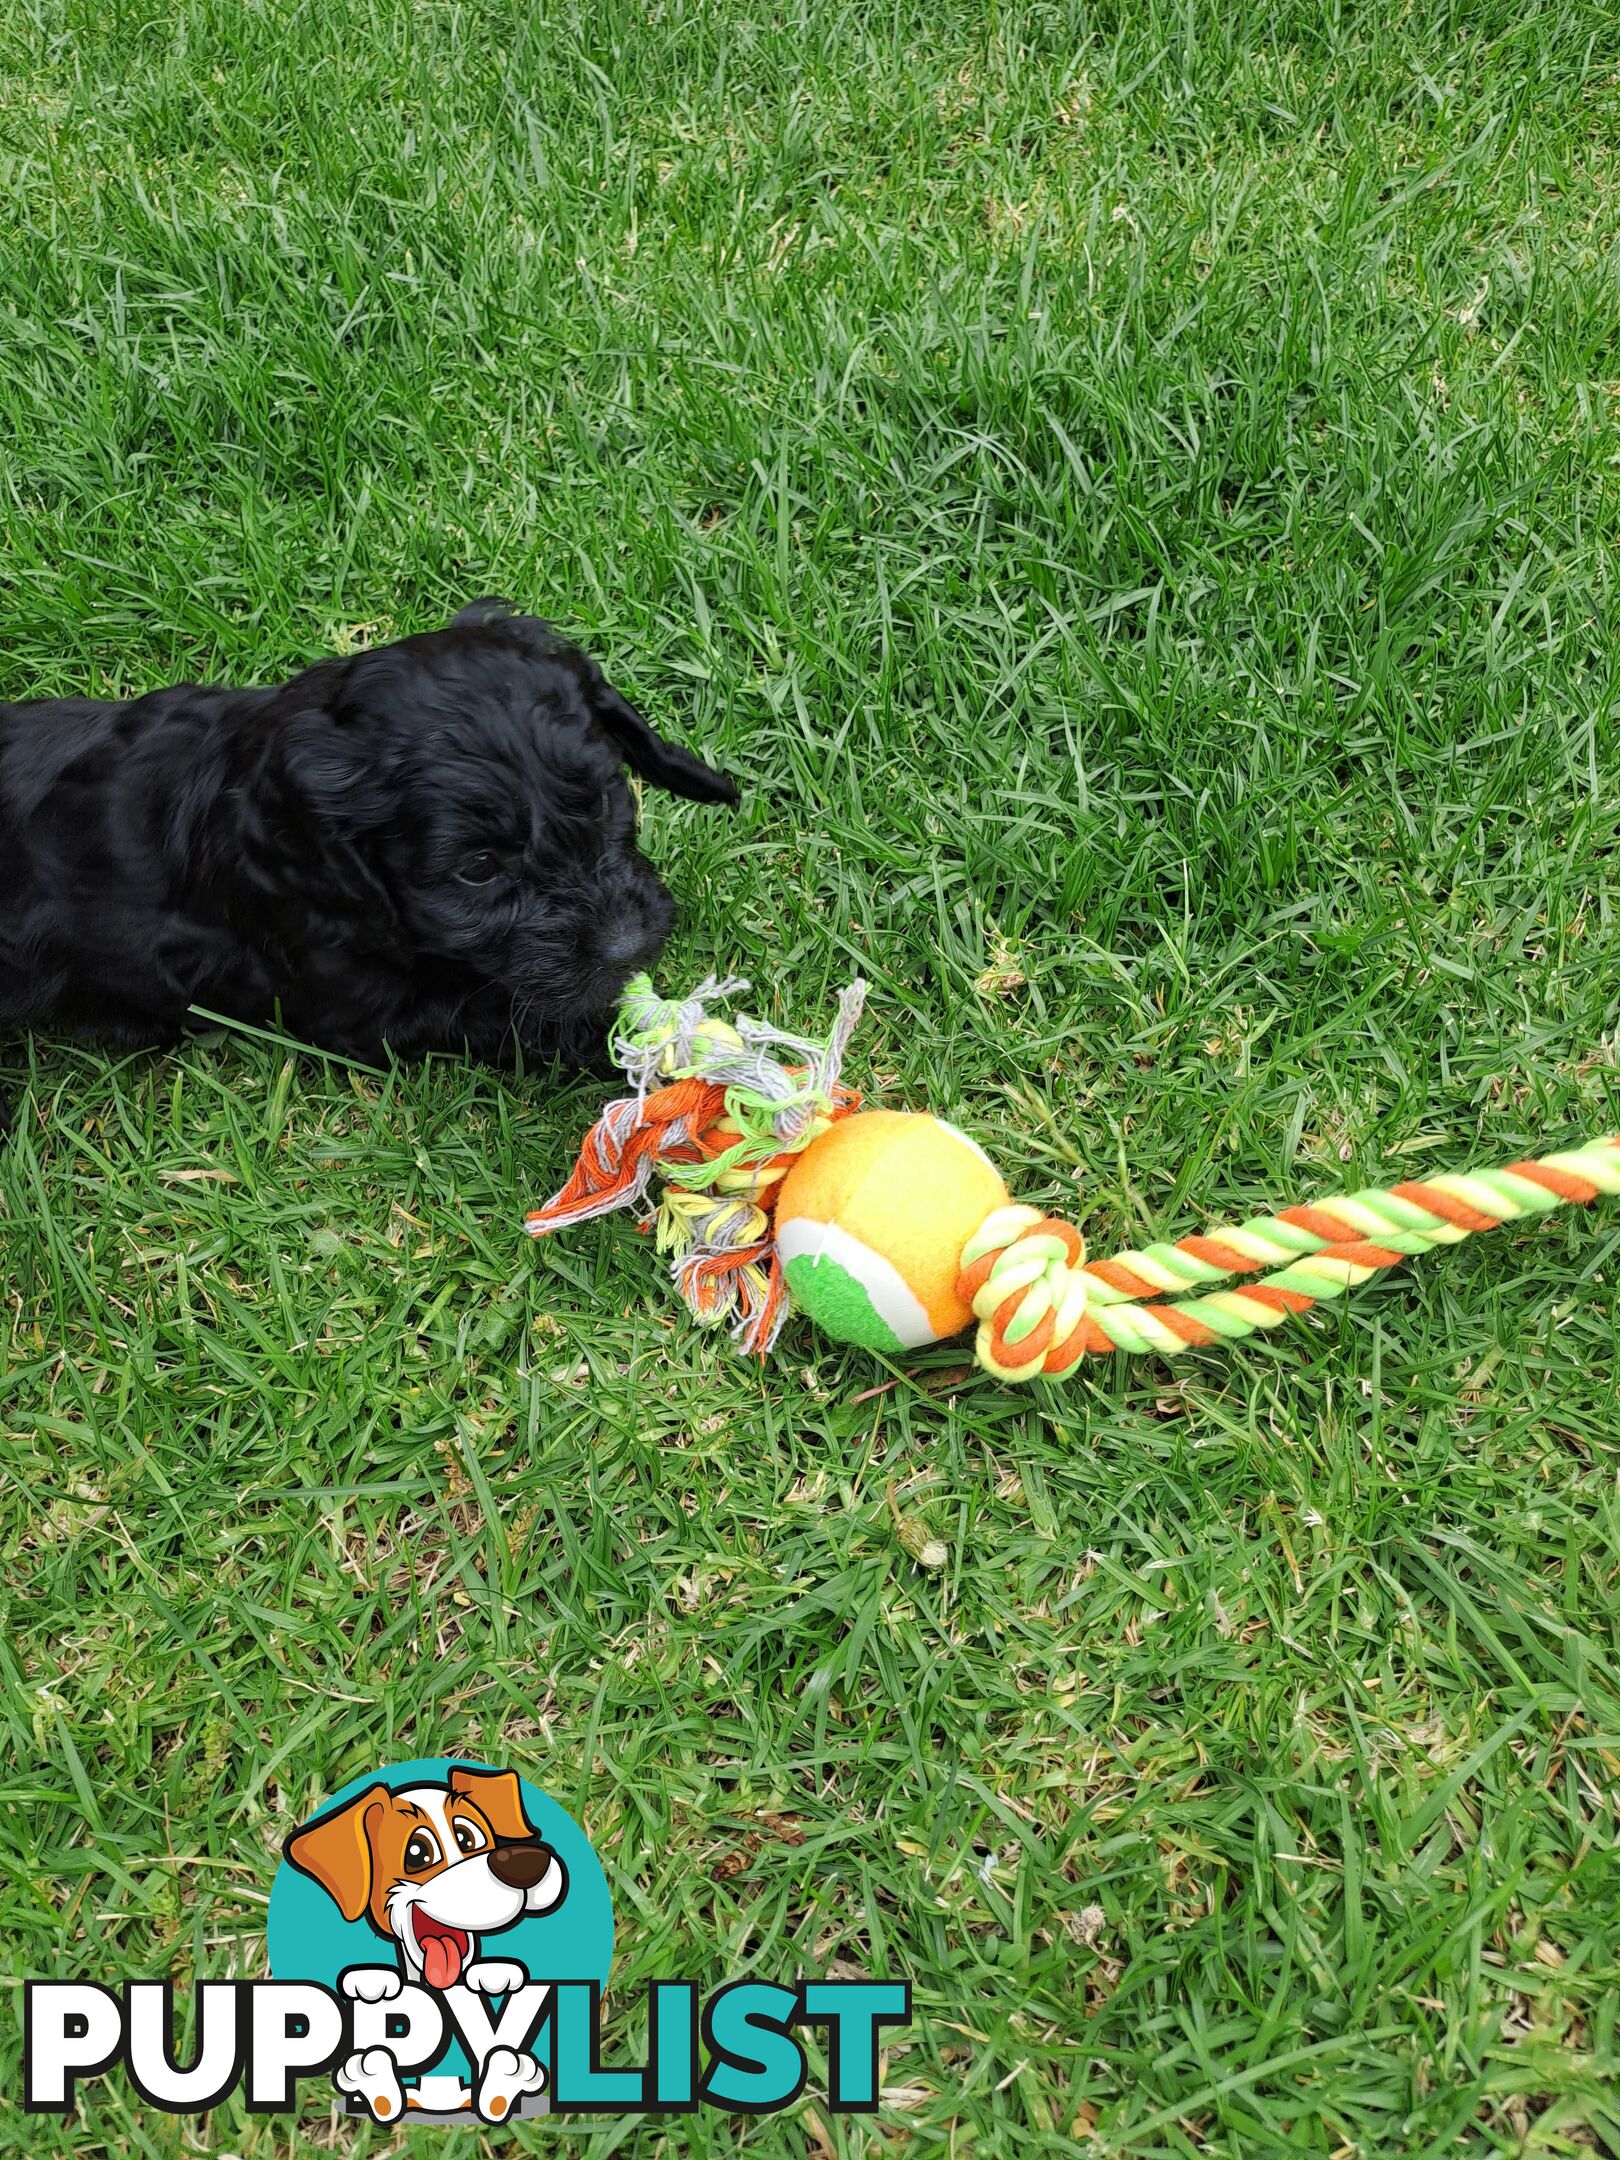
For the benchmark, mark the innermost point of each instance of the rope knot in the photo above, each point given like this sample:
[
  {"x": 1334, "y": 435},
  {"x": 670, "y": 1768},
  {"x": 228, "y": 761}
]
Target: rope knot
[{"x": 1023, "y": 1275}]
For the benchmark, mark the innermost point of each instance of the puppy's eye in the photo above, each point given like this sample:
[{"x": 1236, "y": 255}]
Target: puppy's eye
[
  {"x": 420, "y": 1853},
  {"x": 468, "y": 1835},
  {"x": 479, "y": 869}
]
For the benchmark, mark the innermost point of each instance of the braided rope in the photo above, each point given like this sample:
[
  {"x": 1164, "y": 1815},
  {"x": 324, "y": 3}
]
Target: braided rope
[
  {"x": 1042, "y": 1306},
  {"x": 629, "y": 1141}
]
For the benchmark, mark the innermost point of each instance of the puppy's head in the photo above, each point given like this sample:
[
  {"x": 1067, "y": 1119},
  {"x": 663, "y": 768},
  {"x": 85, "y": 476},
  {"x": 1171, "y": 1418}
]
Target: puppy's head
[
  {"x": 433, "y": 1867},
  {"x": 479, "y": 772}
]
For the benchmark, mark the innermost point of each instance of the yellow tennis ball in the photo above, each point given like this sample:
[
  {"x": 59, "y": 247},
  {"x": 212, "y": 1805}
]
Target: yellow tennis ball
[{"x": 871, "y": 1223}]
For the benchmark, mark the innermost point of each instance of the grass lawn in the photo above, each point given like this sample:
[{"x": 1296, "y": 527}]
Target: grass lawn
[{"x": 1131, "y": 491}]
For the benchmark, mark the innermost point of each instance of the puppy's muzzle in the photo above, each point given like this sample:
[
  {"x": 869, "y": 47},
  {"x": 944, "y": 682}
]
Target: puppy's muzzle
[{"x": 520, "y": 1865}]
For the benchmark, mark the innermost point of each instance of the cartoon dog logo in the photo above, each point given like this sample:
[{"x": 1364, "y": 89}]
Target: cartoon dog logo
[{"x": 435, "y": 1870}]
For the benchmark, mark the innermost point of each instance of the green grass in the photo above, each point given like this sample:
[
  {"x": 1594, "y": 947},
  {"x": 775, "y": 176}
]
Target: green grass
[{"x": 1132, "y": 493}]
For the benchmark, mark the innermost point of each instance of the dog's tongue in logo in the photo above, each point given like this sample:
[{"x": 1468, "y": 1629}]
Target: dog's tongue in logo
[{"x": 444, "y": 1950}]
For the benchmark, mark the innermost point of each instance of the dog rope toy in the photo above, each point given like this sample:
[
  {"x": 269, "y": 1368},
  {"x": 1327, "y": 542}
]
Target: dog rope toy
[{"x": 891, "y": 1229}]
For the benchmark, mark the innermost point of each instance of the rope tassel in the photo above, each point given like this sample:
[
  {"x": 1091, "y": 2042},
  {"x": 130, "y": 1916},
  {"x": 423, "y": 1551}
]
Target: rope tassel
[
  {"x": 629, "y": 1142},
  {"x": 722, "y": 1133}
]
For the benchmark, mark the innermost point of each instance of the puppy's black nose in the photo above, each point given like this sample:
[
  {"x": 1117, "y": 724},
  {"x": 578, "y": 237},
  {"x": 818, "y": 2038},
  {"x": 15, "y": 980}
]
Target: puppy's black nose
[
  {"x": 628, "y": 944},
  {"x": 520, "y": 1867}
]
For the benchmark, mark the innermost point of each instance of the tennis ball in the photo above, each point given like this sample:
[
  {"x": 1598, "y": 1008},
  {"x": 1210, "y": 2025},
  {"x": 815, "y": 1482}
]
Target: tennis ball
[{"x": 871, "y": 1223}]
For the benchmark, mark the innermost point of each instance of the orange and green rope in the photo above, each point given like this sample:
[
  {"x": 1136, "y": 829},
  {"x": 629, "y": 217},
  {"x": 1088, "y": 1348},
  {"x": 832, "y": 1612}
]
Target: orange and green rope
[{"x": 1042, "y": 1306}]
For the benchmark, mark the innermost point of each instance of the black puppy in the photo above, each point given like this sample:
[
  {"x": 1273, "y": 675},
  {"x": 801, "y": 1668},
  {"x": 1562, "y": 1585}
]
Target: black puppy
[{"x": 430, "y": 846}]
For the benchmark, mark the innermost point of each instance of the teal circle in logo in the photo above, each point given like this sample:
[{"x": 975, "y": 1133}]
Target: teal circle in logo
[{"x": 332, "y": 1908}]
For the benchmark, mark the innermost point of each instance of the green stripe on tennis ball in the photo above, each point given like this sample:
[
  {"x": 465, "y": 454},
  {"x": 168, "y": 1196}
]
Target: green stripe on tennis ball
[
  {"x": 837, "y": 1279},
  {"x": 839, "y": 1305}
]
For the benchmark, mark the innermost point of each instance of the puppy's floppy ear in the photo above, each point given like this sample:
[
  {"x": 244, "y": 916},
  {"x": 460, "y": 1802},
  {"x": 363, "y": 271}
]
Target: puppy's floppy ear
[
  {"x": 665, "y": 764},
  {"x": 498, "y": 1797},
  {"x": 336, "y": 1852},
  {"x": 334, "y": 734},
  {"x": 339, "y": 774}
]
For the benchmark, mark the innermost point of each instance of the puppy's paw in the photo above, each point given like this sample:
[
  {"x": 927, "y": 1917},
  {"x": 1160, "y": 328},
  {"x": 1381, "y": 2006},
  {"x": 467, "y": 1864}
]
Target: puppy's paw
[
  {"x": 503, "y": 2080},
  {"x": 371, "y": 1983},
  {"x": 373, "y": 2076},
  {"x": 495, "y": 1976}
]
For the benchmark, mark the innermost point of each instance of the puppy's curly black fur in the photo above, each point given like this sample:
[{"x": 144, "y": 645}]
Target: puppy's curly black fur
[{"x": 429, "y": 846}]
